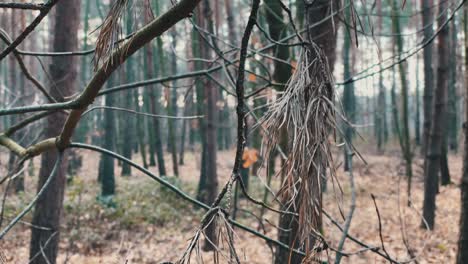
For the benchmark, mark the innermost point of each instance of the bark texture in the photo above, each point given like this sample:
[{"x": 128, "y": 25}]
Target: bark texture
[{"x": 48, "y": 210}]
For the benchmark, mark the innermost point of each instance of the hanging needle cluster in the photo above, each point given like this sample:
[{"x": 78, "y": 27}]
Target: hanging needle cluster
[{"x": 307, "y": 113}]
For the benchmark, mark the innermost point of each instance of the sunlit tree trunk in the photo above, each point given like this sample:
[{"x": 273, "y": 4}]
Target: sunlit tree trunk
[{"x": 48, "y": 209}]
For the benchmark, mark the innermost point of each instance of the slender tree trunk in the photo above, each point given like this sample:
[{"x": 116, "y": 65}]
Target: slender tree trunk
[
  {"x": 427, "y": 18},
  {"x": 48, "y": 209},
  {"x": 417, "y": 121},
  {"x": 128, "y": 125},
  {"x": 444, "y": 167},
  {"x": 172, "y": 109},
  {"x": 208, "y": 179},
  {"x": 381, "y": 100},
  {"x": 434, "y": 148},
  {"x": 106, "y": 166},
  {"x": 140, "y": 130},
  {"x": 349, "y": 101},
  {"x": 154, "y": 93},
  {"x": 14, "y": 85},
  {"x": 462, "y": 256},
  {"x": 405, "y": 135},
  {"x": 200, "y": 98},
  {"x": 187, "y": 111},
  {"x": 453, "y": 96}
]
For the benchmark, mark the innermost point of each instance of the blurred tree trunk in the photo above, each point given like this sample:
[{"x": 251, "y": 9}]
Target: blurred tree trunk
[
  {"x": 200, "y": 98},
  {"x": 84, "y": 126},
  {"x": 186, "y": 112},
  {"x": 128, "y": 125},
  {"x": 172, "y": 108},
  {"x": 452, "y": 134},
  {"x": 432, "y": 161},
  {"x": 18, "y": 87},
  {"x": 349, "y": 100},
  {"x": 381, "y": 99},
  {"x": 188, "y": 109},
  {"x": 417, "y": 121},
  {"x": 155, "y": 95},
  {"x": 462, "y": 255},
  {"x": 48, "y": 209},
  {"x": 427, "y": 18},
  {"x": 405, "y": 135},
  {"x": 140, "y": 129},
  {"x": 106, "y": 166}
]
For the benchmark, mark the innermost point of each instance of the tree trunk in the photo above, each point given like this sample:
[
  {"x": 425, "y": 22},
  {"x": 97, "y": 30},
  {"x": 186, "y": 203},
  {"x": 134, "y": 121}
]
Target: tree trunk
[
  {"x": 417, "y": 129},
  {"x": 324, "y": 35},
  {"x": 172, "y": 109},
  {"x": 434, "y": 147},
  {"x": 106, "y": 166},
  {"x": 381, "y": 100},
  {"x": 462, "y": 256},
  {"x": 405, "y": 136},
  {"x": 128, "y": 126},
  {"x": 281, "y": 74},
  {"x": 349, "y": 101},
  {"x": 155, "y": 95},
  {"x": 208, "y": 181},
  {"x": 16, "y": 84},
  {"x": 427, "y": 18},
  {"x": 48, "y": 209},
  {"x": 453, "y": 96}
]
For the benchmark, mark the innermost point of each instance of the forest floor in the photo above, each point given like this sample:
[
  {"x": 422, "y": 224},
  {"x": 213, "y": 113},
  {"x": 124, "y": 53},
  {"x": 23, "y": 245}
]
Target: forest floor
[{"x": 149, "y": 224}]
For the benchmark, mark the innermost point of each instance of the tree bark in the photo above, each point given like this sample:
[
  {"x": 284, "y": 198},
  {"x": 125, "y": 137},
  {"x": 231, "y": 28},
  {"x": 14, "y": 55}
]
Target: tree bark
[
  {"x": 349, "y": 101},
  {"x": 128, "y": 124},
  {"x": 208, "y": 184},
  {"x": 172, "y": 109},
  {"x": 324, "y": 35},
  {"x": 462, "y": 255},
  {"x": 381, "y": 99},
  {"x": 106, "y": 166},
  {"x": 47, "y": 212},
  {"x": 434, "y": 148},
  {"x": 427, "y": 18},
  {"x": 405, "y": 143},
  {"x": 453, "y": 94}
]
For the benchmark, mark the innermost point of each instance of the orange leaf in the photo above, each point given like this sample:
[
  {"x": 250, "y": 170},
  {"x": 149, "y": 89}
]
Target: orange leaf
[{"x": 252, "y": 77}]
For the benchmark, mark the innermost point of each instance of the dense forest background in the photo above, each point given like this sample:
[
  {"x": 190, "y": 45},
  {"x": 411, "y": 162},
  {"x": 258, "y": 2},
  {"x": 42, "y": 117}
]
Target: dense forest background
[{"x": 233, "y": 131}]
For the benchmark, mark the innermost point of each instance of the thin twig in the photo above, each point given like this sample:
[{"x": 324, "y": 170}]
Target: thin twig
[{"x": 380, "y": 227}]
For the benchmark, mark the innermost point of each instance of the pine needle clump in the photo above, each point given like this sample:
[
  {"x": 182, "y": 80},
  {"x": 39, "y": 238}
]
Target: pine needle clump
[
  {"x": 306, "y": 113},
  {"x": 108, "y": 39}
]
